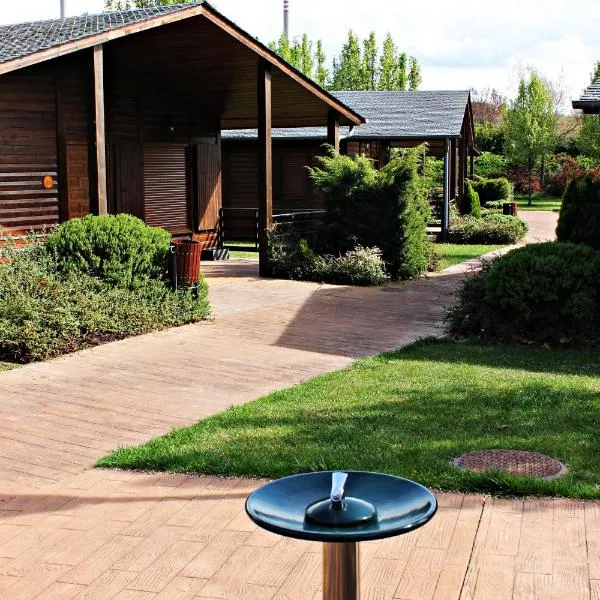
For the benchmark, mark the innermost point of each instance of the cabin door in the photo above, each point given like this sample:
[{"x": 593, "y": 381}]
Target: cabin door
[{"x": 128, "y": 179}]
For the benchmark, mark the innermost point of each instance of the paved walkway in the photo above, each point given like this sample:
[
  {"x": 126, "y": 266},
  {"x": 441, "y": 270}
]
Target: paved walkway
[{"x": 68, "y": 532}]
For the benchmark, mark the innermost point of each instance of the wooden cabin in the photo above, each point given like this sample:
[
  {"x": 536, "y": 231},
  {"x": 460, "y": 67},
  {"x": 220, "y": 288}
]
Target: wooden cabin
[
  {"x": 442, "y": 119},
  {"x": 589, "y": 102},
  {"x": 123, "y": 112}
]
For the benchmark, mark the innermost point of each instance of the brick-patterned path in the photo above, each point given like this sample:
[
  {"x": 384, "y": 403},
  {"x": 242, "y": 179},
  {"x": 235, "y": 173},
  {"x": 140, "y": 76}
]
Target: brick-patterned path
[{"x": 68, "y": 532}]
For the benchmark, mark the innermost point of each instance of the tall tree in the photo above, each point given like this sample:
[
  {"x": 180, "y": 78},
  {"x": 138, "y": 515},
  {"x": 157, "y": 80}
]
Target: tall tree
[
  {"x": 402, "y": 71},
  {"x": 388, "y": 65},
  {"x": 322, "y": 73},
  {"x": 414, "y": 74},
  {"x": 299, "y": 53},
  {"x": 347, "y": 68},
  {"x": 369, "y": 59},
  {"x": 531, "y": 122}
]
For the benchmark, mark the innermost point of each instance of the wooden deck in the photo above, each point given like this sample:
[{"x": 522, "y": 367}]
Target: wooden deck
[{"x": 71, "y": 532}]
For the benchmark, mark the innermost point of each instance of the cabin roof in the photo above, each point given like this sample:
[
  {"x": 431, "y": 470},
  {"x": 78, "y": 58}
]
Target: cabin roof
[
  {"x": 27, "y": 44},
  {"x": 590, "y": 99},
  {"x": 23, "y": 39},
  {"x": 390, "y": 115}
]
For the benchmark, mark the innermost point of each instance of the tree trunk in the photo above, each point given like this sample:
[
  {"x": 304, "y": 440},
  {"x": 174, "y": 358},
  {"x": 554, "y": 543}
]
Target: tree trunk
[{"x": 529, "y": 168}]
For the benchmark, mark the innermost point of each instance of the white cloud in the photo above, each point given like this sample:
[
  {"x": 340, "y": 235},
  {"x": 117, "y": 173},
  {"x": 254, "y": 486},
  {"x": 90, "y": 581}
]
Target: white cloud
[{"x": 460, "y": 44}]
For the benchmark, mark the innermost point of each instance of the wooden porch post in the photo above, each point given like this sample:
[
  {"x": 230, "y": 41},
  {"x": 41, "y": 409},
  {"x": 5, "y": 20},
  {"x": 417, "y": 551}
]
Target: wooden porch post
[
  {"x": 333, "y": 130},
  {"x": 265, "y": 164},
  {"x": 100, "y": 133},
  {"x": 446, "y": 205},
  {"x": 462, "y": 164},
  {"x": 472, "y": 165},
  {"x": 453, "y": 170}
]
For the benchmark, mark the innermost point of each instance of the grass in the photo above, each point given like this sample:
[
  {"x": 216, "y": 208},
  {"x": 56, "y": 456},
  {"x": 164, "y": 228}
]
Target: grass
[
  {"x": 4, "y": 366},
  {"x": 408, "y": 413},
  {"x": 539, "y": 202},
  {"x": 453, "y": 254},
  {"x": 242, "y": 253}
]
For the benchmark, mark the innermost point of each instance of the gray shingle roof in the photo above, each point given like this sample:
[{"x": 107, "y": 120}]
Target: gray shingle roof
[
  {"x": 592, "y": 94},
  {"x": 590, "y": 99},
  {"x": 23, "y": 39},
  {"x": 390, "y": 115}
]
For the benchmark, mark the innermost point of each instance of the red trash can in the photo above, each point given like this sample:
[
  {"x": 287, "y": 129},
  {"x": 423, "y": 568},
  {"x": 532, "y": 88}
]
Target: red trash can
[{"x": 187, "y": 263}]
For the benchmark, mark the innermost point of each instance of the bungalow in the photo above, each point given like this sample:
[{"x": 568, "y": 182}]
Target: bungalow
[
  {"x": 590, "y": 99},
  {"x": 442, "y": 119},
  {"x": 123, "y": 112}
]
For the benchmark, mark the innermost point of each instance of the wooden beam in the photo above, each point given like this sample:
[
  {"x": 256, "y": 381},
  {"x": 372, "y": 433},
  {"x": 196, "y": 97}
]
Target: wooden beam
[
  {"x": 462, "y": 164},
  {"x": 100, "y": 133},
  {"x": 446, "y": 205},
  {"x": 453, "y": 169},
  {"x": 472, "y": 164},
  {"x": 265, "y": 164},
  {"x": 333, "y": 130}
]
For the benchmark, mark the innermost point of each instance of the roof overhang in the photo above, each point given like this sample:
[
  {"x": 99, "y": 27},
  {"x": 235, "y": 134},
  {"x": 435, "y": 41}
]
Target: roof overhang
[
  {"x": 589, "y": 107},
  {"x": 347, "y": 115}
]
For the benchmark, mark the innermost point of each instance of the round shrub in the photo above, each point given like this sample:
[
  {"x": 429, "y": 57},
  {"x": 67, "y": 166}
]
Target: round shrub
[
  {"x": 579, "y": 219},
  {"x": 119, "y": 249},
  {"x": 490, "y": 190},
  {"x": 541, "y": 293},
  {"x": 469, "y": 204},
  {"x": 492, "y": 228}
]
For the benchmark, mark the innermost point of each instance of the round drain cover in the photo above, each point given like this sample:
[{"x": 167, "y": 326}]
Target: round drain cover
[{"x": 513, "y": 462}]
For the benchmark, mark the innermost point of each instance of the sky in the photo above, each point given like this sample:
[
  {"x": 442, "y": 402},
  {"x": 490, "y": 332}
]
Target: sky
[{"x": 460, "y": 44}]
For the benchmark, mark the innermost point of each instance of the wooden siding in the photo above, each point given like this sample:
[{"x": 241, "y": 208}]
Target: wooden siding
[
  {"x": 28, "y": 151},
  {"x": 292, "y": 188},
  {"x": 127, "y": 172},
  {"x": 209, "y": 182},
  {"x": 166, "y": 186},
  {"x": 77, "y": 179}
]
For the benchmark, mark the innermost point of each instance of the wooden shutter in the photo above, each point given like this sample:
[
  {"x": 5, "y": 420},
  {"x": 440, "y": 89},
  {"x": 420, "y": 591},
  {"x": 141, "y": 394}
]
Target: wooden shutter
[{"x": 166, "y": 186}]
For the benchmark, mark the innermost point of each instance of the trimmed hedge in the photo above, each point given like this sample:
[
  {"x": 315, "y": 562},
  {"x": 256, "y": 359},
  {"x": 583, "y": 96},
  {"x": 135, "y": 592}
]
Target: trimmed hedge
[
  {"x": 493, "y": 189},
  {"x": 46, "y": 312},
  {"x": 579, "y": 219},
  {"x": 119, "y": 249},
  {"x": 490, "y": 229},
  {"x": 470, "y": 204},
  {"x": 541, "y": 293}
]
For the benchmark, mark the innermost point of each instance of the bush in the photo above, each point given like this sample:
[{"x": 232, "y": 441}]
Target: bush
[
  {"x": 469, "y": 203},
  {"x": 491, "y": 190},
  {"x": 119, "y": 249},
  {"x": 490, "y": 165},
  {"x": 520, "y": 180},
  {"x": 490, "y": 229},
  {"x": 386, "y": 209},
  {"x": 561, "y": 171},
  {"x": 495, "y": 205},
  {"x": 291, "y": 257},
  {"x": 541, "y": 293},
  {"x": 579, "y": 219},
  {"x": 45, "y": 312},
  {"x": 489, "y": 138}
]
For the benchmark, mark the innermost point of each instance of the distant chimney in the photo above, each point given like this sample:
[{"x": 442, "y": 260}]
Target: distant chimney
[
  {"x": 286, "y": 18},
  {"x": 62, "y": 9}
]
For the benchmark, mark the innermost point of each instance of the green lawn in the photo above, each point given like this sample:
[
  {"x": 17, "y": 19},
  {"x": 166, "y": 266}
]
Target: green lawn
[
  {"x": 4, "y": 366},
  {"x": 242, "y": 253},
  {"x": 539, "y": 202},
  {"x": 409, "y": 413},
  {"x": 453, "y": 254}
]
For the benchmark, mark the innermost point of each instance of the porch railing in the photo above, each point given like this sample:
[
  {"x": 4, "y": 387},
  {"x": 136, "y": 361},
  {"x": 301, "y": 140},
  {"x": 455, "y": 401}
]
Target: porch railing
[{"x": 242, "y": 225}]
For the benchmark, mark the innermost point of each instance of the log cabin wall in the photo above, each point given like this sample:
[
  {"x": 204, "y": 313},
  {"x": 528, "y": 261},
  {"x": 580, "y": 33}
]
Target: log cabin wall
[
  {"x": 292, "y": 187},
  {"x": 164, "y": 161},
  {"x": 44, "y": 133}
]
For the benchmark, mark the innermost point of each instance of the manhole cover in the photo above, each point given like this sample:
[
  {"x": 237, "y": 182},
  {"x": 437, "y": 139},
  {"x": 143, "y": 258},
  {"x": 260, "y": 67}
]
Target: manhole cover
[{"x": 513, "y": 462}]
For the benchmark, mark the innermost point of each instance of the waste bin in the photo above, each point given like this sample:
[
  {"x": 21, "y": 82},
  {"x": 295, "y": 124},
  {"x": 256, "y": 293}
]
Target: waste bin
[
  {"x": 510, "y": 208},
  {"x": 185, "y": 263},
  {"x": 341, "y": 509}
]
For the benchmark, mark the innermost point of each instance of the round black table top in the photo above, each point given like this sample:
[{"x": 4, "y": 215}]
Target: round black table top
[{"x": 401, "y": 506}]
